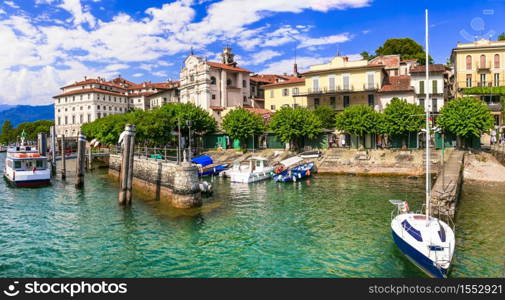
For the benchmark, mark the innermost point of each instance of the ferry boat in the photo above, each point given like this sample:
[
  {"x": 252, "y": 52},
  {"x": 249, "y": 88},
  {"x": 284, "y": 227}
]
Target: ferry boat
[
  {"x": 425, "y": 240},
  {"x": 25, "y": 167},
  {"x": 257, "y": 170}
]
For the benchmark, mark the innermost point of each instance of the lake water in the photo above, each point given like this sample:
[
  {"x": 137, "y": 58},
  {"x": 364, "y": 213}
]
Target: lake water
[{"x": 328, "y": 226}]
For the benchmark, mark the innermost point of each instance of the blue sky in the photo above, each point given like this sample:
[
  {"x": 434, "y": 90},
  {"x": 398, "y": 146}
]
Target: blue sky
[{"x": 45, "y": 44}]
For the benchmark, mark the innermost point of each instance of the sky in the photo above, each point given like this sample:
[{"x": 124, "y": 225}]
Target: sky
[{"x": 45, "y": 44}]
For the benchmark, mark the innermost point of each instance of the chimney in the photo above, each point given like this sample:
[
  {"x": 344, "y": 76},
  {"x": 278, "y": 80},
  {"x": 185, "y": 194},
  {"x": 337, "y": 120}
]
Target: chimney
[
  {"x": 346, "y": 59},
  {"x": 85, "y": 77}
]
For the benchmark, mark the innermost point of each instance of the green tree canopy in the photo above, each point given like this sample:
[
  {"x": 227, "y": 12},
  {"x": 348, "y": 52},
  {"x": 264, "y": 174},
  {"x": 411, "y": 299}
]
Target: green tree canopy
[
  {"x": 501, "y": 37},
  {"x": 359, "y": 120},
  {"x": 7, "y": 135},
  {"x": 466, "y": 117},
  {"x": 293, "y": 124},
  {"x": 241, "y": 124},
  {"x": 153, "y": 127},
  {"x": 326, "y": 115},
  {"x": 401, "y": 117},
  {"x": 32, "y": 129},
  {"x": 407, "y": 48}
]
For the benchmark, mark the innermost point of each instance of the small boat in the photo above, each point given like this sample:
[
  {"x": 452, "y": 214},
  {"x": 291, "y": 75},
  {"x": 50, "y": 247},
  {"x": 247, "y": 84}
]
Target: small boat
[
  {"x": 426, "y": 241},
  {"x": 292, "y": 170},
  {"x": 257, "y": 170},
  {"x": 25, "y": 167},
  {"x": 206, "y": 166},
  {"x": 310, "y": 154},
  {"x": 3, "y": 148}
]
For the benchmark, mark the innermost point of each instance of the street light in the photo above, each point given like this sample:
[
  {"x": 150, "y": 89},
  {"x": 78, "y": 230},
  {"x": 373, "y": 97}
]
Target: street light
[{"x": 188, "y": 123}]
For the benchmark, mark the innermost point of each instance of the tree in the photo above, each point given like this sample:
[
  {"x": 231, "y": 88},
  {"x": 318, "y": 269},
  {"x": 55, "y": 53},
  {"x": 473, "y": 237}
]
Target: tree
[
  {"x": 401, "y": 118},
  {"x": 7, "y": 135},
  {"x": 326, "y": 115},
  {"x": 293, "y": 124},
  {"x": 359, "y": 120},
  {"x": 241, "y": 124},
  {"x": 466, "y": 118},
  {"x": 407, "y": 48},
  {"x": 366, "y": 56},
  {"x": 501, "y": 37}
]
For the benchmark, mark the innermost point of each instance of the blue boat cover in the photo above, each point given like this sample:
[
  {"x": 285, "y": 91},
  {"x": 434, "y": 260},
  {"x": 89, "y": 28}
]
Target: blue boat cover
[{"x": 203, "y": 160}]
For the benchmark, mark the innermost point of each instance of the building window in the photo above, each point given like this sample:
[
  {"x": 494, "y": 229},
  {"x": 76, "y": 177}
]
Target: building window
[
  {"x": 434, "y": 105},
  {"x": 98, "y": 116},
  {"x": 81, "y": 119},
  {"x": 468, "y": 80},
  {"x": 244, "y": 83},
  {"x": 421, "y": 102},
  {"x": 213, "y": 97},
  {"x": 346, "y": 81},
  {"x": 295, "y": 91},
  {"x": 435, "y": 86},
  {"x": 272, "y": 107},
  {"x": 316, "y": 102},
  {"x": 212, "y": 80},
  {"x": 228, "y": 82},
  {"x": 66, "y": 120},
  {"x": 88, "y": 96},
  {"x": 285, "y": 92},
  {"x": 483, "y": 61},
  {"x": 59, "y": 120},
  {"x": 497, "y": 79},
  {"x": 371, "y": 100},
  {"x": 73, "y": 119},
  {"x": 497, "y": 61},
  {"x": 191, "y": 78},
  {"x": 421, "y": 87},
  {"x": 333, "y": 102},
  {"x": 331, "y": 83},
  {"x": 80, "y": 108},
  {"x": 468, "y": 62},
  {"x": 482, "y": 80},
  {"x": 346, "y": 101},
  {"x": 371, "y": 80},
  {"x": 315, "y": 84},
  {"x": 245, "y": 99},
  {"x": 271, "y": 93},
  {"x": 89, "y": 118}
]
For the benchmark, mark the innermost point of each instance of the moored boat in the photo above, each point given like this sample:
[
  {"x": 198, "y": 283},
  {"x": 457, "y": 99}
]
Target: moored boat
[
  {"x": 257, "y": 170},
  {"x": 206, "y": 166},
  {"x": 25, "y": 167},
  {"x": 292, "y": 170}
]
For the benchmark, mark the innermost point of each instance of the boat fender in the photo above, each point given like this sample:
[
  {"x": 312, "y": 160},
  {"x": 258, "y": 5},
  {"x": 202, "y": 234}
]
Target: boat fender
[
  {"x": 294, "y": 178},
  {"x": 308, "y": 173},
  {"x": 299, "y": 175}
]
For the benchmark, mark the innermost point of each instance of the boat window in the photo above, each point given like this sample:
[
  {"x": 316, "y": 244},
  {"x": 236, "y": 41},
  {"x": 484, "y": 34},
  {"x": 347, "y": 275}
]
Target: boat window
[
  {"x": 412, "y": 231},
  {"x": 40, "y": 164},
  {"x": 258, "y": 163},
  {"x": 436, "y": 248},
  {"x": 441, "y": 234},
  {"x": 17, "y": 164}
]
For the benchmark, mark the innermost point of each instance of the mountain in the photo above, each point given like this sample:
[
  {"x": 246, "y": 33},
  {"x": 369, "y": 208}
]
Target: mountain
[{"x": 25, "y": 113}]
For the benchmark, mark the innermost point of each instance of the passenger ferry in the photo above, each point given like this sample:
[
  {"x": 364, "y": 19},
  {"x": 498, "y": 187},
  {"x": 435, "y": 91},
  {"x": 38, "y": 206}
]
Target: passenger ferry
[{"x": 25, "y": 167}]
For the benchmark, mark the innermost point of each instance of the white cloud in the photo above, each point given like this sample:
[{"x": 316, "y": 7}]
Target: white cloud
[
  {"x": 261, "y": 57},
  {"x": 74, "y": 7},
  {"x": 2, "y": 12},
  {"x": 138, "y": 75},
  {"x": 11, "y": 4},
  {"x": 326, "y": 40},
  {"x": 160, "y": 74},
  {"x": 286, "y": 65}
]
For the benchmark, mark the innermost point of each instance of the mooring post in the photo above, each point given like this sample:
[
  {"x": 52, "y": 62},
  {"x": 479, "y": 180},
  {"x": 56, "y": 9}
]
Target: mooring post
[
  {"x": 123, "y": 177},
  {"x": 42, "y": 144},
  {"x": 131, "y": 159},
  {"x": 81, "y": 157},
  {"x": 53, "y": 150},
  {"x": 90, "y": 158},
  {"x": 63, "y": 163}
]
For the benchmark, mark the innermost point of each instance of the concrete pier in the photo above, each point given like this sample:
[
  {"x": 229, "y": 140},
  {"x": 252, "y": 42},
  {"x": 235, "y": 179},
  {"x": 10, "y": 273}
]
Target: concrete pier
[
  {"x": 446, "y": 190},
  {"x": 167, "y": 181}
]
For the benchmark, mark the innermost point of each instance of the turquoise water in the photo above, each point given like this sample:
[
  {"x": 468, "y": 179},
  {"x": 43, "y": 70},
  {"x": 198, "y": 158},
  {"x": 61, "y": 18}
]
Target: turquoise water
[{"x": 328, "y": 226}]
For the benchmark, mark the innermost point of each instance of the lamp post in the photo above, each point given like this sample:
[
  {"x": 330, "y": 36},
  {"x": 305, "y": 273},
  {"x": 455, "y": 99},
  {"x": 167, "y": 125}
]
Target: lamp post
[
  {"x": 188, "y": 123},
  {"x": 179, "y": 141}
]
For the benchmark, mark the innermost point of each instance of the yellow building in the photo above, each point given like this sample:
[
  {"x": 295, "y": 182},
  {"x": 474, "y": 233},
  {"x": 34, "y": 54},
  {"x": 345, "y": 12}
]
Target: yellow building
[
  {"x": 480, "y": 64},
  {"x": 341, "y": 83},
  {"x": 285, "y": 93}
]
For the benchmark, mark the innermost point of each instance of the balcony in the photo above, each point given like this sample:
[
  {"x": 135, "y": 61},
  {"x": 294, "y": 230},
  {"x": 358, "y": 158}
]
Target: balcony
[
  {"x": 340, "y": 89},
  {"x": 483, "y": 67},
  {"x": 480, "y": 84}
]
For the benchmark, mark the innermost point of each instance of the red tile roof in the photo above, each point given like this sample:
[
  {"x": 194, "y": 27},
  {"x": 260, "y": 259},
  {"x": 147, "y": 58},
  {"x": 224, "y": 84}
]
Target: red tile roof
[
  {"x": 270, "y": 78},
  {"x": 259, "y": 111},
  {"x": 86, "y": 91},
  {"x": 217, "y": 108},
  {"x": 156, "y": 85},
  {"x": 93, "y": 81},
  {"x": 390, "y": 61},
  {"x": 290, "y": 81},
  {"x": 432, "y": 68},
  {"x": 227, "y": 67},
  {"x": 397, "y": 84}
]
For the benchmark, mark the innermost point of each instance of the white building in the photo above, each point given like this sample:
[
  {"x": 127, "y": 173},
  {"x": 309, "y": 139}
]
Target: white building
[
  {"x": 148, "y": 95},
  {"x": 215, "y": 86},
  {"x": 88, "y": 100},
  {"x": 440, "y": 76}
]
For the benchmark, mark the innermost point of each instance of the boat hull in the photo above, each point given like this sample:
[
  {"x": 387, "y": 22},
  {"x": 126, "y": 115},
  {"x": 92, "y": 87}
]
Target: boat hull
[
  {"x": 29, "y": 183},
  {"x": 419, "y": 259}
]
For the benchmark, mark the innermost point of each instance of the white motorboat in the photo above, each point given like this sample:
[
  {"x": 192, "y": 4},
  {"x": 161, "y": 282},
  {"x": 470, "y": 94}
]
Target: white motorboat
[
  {"x": 427, "y": 241},
  {"x": 25, "y": 167},
  {"x": 257, "y": 170}
]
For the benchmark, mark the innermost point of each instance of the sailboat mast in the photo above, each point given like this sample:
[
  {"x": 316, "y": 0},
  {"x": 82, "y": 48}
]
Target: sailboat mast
[{"x": 427, "y": 108}]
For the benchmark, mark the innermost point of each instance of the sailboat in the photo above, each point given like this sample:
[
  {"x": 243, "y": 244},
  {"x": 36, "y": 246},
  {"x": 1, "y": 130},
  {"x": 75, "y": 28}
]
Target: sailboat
[{"x": 428, "y": 242}]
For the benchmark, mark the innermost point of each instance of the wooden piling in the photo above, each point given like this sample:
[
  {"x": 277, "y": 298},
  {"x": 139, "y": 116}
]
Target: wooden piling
[
  {"x": 131, "y": 159},
  {"x": 53, "y": 150},
  {"x": 42, "y": 144},
  {"x": 81, "y": 157},
  {"x": 63, "y": 162},
  {"x": 90, "y": 158},
  {"x": 125, "y": 164}
]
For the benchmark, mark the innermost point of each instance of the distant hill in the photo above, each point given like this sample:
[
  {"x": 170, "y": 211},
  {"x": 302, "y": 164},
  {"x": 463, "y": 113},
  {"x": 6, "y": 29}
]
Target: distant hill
[{"x": 25, "y": 113}]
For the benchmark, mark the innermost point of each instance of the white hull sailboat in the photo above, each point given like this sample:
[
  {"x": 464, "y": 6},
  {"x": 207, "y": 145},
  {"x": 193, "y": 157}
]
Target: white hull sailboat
[{"x": 426, "y": 241}]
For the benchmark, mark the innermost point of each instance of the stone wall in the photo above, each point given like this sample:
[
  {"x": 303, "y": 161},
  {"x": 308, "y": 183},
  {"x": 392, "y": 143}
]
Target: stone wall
[
  {"x": 167, "y": 181},
  {"x": 498, "y": 151}
]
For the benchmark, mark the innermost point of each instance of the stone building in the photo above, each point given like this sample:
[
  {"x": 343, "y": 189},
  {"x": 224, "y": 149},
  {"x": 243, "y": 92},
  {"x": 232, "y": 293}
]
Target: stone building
[
  {"x": 439, "y": 85},
  {"x": 88, "y": 100},
  {"x": 215, "y": 86}
]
